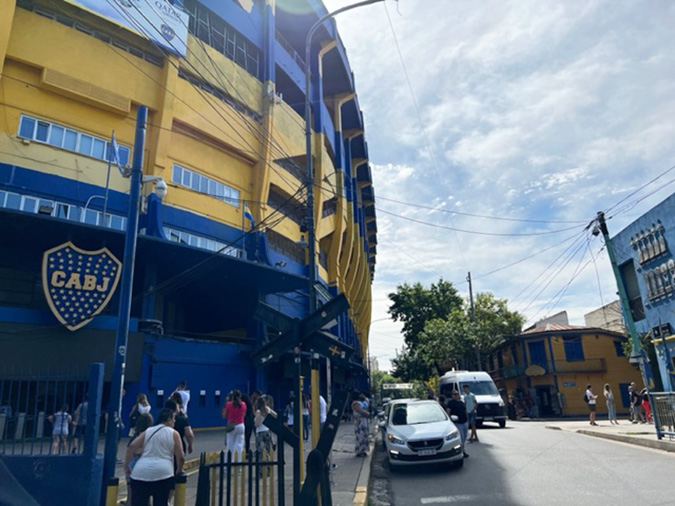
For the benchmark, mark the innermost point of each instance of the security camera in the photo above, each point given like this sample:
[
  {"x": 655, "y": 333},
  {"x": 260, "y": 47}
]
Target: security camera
[{"x": 595, "y": 231}]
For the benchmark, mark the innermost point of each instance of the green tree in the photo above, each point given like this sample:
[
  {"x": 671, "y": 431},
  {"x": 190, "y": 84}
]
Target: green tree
[
  {"x": 493, "y": 320},
  {"x": 377, "y": 379},
  {"x": 415, "y": 305}
]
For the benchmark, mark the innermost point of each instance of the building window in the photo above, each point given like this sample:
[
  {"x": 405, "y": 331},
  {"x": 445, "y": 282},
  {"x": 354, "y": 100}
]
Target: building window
[
  {"x": 618, "y": 346},
  {"x": 62, "y": 137},
  {"x": 31, "y": 204},
  {"x": 201, "y": 242},
  {"x": 206, "y": 185},
  {"x": 574, "y": 350}
]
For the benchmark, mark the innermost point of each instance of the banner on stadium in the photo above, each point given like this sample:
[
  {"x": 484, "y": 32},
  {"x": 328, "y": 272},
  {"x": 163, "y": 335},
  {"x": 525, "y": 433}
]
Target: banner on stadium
[{"x": 157, "y": 20}]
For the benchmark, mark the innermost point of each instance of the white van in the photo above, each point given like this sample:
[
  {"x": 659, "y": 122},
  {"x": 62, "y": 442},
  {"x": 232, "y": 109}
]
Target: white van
[{"x": 490, "y": 404}]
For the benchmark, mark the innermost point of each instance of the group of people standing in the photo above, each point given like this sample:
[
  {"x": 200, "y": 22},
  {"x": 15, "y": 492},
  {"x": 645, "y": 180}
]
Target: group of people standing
[
  {"x": 465, "y": 408},
  {"x": 245, "y": 414},
  {"x": 640, "y": 411}
]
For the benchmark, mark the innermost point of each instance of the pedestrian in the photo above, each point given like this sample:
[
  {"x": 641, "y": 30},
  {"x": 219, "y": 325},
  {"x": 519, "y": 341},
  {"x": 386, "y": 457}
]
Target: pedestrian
[
  {"x": 185, "y": 394},
  {"x": 360, "y": 417},
  {"x": 457, "y": 408},
  {"x": 645, "y": 405},
  {"x": 631, "y": 414},
  {"x": 248, "y": 422},
  {"x": 636, "y": 404},
  {"x": 60, "y": 421},
  {"x": 305, "y": 417},
  {"x": 263, "y": 436},
  {"x": 323, "y": 410},
  {"x": 472, "y": 409},
  {"x": 143, "y": 422},
  {"x": 234, "y": 412},
  {"x": 182, "y": 425},
  {"x": 153, "y": 474},
  {"x": 141, "y": 407},
  {"x": 289, "y": 412},
  {"x": 611, "y": 405},
  {"x": 443, "y": 402},
  {"x": 591, "y": 399},
  {"x": 79, "y": 424}
]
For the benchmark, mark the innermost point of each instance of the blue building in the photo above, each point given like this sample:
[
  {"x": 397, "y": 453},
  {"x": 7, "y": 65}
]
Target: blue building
[
  {"x": 644, "y": 251},
  {"x": 224, "y": 82}
]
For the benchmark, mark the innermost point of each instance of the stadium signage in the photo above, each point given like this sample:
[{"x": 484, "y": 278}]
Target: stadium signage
[
  {"x": 156, "y": 20},
  {"x": 78, "y": 284}
]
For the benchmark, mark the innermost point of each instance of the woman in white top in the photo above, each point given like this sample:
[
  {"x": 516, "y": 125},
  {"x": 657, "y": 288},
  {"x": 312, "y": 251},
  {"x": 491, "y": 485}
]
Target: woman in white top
[
  {"x": 60, "y": 422},
  {"x": 263, "y": 436},
  {"x": 142, "y": 407},
  {"x": 152, "y": 475},
  {"x": 591, "y": 400}
]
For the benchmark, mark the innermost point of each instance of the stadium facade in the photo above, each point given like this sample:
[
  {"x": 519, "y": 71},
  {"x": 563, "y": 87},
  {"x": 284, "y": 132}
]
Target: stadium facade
[{"x": 224, "y": 83}]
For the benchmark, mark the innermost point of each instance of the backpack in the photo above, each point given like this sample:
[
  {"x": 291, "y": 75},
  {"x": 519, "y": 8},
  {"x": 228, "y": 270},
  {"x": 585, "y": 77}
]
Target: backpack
[{"x": 586, "y": 398}]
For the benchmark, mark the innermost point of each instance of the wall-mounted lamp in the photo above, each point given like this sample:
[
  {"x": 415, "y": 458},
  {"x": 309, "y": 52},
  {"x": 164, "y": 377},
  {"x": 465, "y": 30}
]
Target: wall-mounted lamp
[{"x": 302, "y": 243}]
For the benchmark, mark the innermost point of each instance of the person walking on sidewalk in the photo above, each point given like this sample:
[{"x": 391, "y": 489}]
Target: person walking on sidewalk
[
  {"x": 248, "y": 422},
  {"x": 472, "y": 409},
  {"x": 153, "y": 474},
  {"x": 234, "y": 412},
  {"x": 185, "y": 394},
  {"x": 360, "y": 417},
  {"x": 305, "y": 417},
  {"x": 611, "y": 405},
  {"x": 591, "y": 399},
  {"x": 636, "y": 405},
  {"x": 645, "y": 405},
  {"x": 457, "y": 408},
  {"x": 263, "y": 435}
]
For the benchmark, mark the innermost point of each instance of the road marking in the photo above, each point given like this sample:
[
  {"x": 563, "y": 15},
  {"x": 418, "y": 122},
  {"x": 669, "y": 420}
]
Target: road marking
[{"x": 450, "y": 499}]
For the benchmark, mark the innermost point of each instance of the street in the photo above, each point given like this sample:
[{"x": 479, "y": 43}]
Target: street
[{"x": 527, "y": 464}]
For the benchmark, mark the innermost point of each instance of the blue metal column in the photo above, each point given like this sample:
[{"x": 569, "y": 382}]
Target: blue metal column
[{"x": 126, "y": 286}]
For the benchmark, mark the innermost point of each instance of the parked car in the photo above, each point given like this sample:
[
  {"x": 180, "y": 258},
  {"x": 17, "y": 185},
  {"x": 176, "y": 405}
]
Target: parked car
[{"x": 420, "y": 432}]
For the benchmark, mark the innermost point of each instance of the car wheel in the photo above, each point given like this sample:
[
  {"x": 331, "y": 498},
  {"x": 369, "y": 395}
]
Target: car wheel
[
  {"x": 502, "y": 423},
  {"x": 479, "y": 423}
]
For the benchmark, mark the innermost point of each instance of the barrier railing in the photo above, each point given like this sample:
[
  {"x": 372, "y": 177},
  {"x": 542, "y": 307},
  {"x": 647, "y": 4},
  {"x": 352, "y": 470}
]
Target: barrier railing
[
  {"x": 663, "y": 409},
  {"x": 234, "y": 480}
]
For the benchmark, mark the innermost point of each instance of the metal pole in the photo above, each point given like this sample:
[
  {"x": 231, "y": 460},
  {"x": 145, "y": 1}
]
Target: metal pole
[
  {"x": 623, "y": 297},
  {"x": 473, "y": 321},
  {"x": 126, "y": 286},
  {"x": 107, "y": 182}
]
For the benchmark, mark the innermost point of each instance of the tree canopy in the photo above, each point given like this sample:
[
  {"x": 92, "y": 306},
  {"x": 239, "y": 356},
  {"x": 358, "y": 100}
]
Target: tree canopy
[{"x": 440, "y": 331}]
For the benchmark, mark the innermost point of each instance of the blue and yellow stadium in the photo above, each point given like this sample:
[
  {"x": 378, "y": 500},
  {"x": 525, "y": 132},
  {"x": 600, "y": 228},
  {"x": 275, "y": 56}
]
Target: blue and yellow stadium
[{"x": 223, "y": 212}]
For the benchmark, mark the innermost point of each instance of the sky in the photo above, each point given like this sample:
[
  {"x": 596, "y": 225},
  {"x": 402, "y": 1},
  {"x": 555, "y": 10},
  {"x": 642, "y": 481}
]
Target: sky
[{"x": 515, "y": 111}]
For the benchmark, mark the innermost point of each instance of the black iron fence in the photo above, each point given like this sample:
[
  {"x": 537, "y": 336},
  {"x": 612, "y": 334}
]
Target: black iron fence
[
  {"x": 39, "y": 412},
  {"x": 227, "y": 479},
  {"x": 663, "y": 410}
]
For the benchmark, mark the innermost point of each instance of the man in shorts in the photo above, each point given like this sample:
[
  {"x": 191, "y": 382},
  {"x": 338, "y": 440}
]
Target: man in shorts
[{"x": 472, "y": 410}]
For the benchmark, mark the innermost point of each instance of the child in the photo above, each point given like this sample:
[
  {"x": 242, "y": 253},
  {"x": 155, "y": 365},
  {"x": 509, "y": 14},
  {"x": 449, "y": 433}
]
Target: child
[{"x": 60, "y": 421}]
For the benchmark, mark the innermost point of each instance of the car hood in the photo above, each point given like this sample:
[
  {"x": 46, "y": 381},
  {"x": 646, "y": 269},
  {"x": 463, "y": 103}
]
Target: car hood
[{"x": 423, "y": 430}]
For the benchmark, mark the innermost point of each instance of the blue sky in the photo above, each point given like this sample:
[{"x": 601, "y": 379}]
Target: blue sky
[{"x": 525, "y": 110}]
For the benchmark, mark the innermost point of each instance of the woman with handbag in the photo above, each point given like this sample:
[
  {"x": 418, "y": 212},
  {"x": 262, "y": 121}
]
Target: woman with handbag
[{"x": 153, "y": 474}]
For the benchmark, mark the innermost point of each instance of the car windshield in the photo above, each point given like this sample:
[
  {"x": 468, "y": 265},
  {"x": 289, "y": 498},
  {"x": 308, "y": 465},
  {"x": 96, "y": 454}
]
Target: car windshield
[
  {"x": 484, "y": 388},
  {"x": 414, "y": 413}
]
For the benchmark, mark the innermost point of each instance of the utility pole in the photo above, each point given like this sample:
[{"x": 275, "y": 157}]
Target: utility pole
[
  {"x": 623, "y": 297},
  {"x": 473, "y": 321}
]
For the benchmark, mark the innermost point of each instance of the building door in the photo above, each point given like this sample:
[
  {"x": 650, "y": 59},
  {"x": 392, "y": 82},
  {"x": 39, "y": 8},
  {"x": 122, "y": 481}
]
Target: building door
[
  {"x": 544, "y": 400},
  {"x": 538, "y": 354}
]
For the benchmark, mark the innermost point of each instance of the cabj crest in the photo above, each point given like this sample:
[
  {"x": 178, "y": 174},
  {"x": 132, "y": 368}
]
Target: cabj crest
[{"x": 78, "y": 284}]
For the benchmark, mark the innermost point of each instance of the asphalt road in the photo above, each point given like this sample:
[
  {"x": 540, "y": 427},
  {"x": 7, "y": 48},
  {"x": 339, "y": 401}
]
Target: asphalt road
[{"x": 527, "y": 464}]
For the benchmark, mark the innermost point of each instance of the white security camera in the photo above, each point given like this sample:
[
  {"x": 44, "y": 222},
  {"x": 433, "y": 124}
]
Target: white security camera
[{"x": 160, "y": 189}]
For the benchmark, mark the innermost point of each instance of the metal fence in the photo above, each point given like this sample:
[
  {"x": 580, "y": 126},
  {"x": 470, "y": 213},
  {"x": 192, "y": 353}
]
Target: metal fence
[
  {"x": 33, "y": 404},
  {"x": 227, "y": 480},
  {"x": 663, "y": 410}
]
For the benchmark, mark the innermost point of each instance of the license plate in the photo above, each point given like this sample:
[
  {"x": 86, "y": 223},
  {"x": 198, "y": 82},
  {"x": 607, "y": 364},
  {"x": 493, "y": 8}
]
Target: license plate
[{"x": 424, "y": 453}]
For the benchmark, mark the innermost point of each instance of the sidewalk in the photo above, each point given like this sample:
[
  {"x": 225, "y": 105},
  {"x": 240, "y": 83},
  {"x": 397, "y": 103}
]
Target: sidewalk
[
  {"x": 625, "y": 432},
  {"x": 349, "y": 476}
]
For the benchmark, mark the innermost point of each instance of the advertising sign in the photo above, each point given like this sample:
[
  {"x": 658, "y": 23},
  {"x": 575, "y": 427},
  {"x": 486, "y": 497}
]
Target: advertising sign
[
  {"x": 157, "y": 20},
  {"x": 78, "y": 284}
]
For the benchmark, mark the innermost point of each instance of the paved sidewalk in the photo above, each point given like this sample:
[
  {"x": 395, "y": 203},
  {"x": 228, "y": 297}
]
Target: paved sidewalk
[
  {"x": 349, "y": 475},
  {"x": 626, "y": 432}
]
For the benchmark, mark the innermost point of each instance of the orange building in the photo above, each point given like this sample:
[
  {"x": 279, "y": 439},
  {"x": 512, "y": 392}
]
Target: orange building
[{"x": 549, "y": 366}]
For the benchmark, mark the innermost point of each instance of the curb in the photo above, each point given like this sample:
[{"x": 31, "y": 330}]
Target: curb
[
  {"x": 646, "y": 443},
  {"x": 361, "y": 490}
]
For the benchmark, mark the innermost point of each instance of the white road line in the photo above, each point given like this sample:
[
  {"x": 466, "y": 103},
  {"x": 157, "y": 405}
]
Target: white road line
[{"x": 453, "y": 499}]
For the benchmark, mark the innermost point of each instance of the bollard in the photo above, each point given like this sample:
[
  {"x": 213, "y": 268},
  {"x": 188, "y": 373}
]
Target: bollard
[
  {"x": 111, "y": 491},
  {"x": 180, "y": 489}
]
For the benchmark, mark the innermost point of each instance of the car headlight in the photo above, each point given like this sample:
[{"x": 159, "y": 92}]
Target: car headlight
[
  {"x": 395, "y": 440},
  {"x": 453, "y": 435},
  {"x": 501, "y": 404}
]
